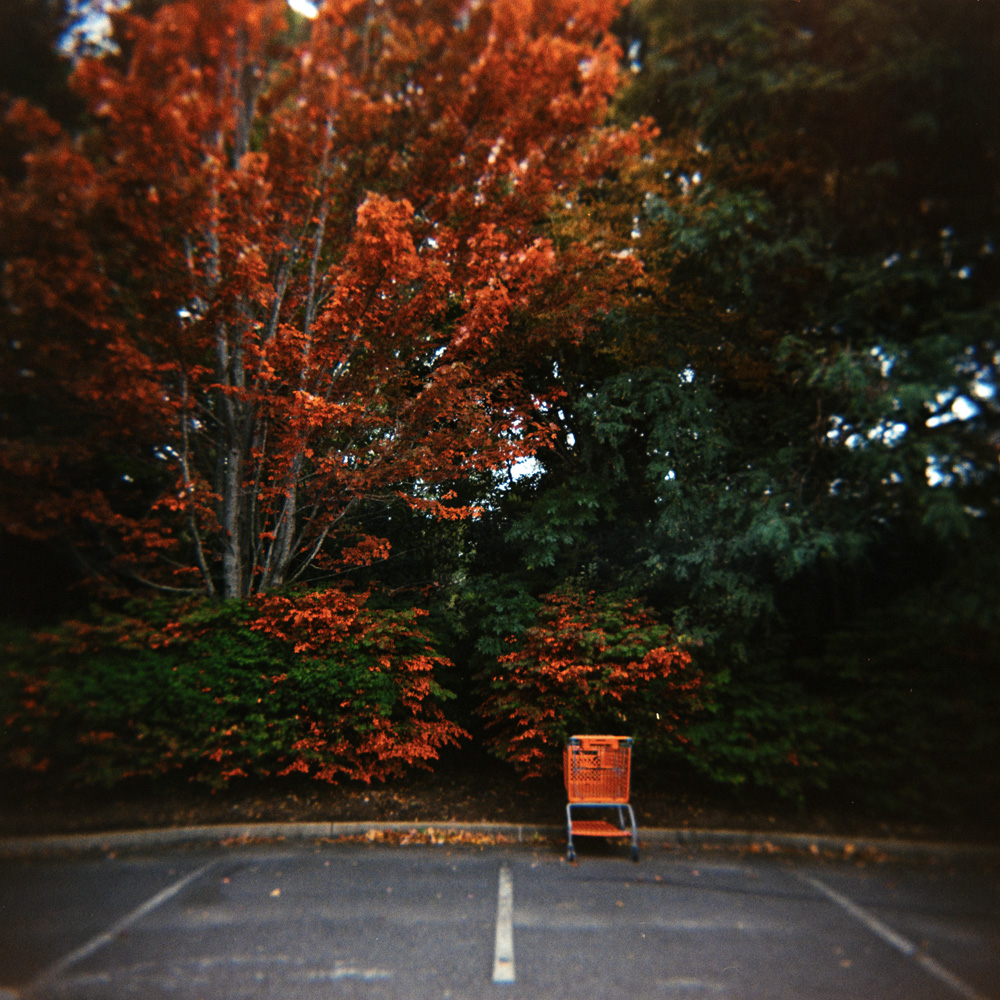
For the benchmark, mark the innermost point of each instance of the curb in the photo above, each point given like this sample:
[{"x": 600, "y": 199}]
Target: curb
[
  {"x": 252, "y": 833},
  {"x": 501, "y": 834}
]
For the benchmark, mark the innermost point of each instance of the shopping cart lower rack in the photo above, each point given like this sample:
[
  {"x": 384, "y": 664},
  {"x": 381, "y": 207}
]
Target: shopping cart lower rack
[{"x": 597, "y": 772}]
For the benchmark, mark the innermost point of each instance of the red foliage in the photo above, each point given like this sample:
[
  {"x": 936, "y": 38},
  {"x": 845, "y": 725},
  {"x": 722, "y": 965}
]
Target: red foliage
[
  {"x": 590, "y": 664},
  {"x": 276, "y": 279},
  {"x": 318, "y": 684}
]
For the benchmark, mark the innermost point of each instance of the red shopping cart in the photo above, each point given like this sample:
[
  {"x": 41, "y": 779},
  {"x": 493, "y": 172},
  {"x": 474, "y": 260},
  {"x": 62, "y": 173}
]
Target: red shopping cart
[{"x": 596, "y": 771}]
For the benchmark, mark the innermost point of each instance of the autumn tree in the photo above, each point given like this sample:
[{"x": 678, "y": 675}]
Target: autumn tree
[{"x": 289, "y": 270}]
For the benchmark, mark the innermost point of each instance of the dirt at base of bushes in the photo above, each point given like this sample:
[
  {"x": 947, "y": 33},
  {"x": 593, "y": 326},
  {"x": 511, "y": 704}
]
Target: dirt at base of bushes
[{"x": 458, "y": 790}]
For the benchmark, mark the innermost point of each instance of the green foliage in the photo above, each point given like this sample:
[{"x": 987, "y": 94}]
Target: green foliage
[
  {"x": 769, "y": 734},
  {"x": 316, "y": 684},
  {"x": 918, "y": 689},
  {"x": 889, "y": 703},
  {"x": 559, "y": 519},
  {"x": 503, "y": 607}
]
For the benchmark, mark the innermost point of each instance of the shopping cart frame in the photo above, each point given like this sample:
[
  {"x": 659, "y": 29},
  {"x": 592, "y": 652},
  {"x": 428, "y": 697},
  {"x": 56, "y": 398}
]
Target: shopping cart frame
[{"x": 597, "y": 774}]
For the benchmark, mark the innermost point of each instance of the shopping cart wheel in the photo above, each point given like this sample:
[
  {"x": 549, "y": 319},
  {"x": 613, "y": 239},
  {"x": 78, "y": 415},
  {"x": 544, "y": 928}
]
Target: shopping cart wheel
[
  {"x": 635, "y": 853},
  {"x": 570, "y": 854}
]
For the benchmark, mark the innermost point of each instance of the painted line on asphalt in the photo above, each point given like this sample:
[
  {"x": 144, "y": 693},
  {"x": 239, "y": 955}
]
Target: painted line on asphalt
[
  {"x": 897, "y": 941},
  {"x": 503, "y": 949},
  {"x": 55, "y": 970}
]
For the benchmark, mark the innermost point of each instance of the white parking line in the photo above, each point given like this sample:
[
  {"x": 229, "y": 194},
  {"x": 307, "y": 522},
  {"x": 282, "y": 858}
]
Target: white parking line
[
  {"x": 900, "y": 943},
  {"x": 503, "y": 951},
  {"x": 58, "y": 968}
]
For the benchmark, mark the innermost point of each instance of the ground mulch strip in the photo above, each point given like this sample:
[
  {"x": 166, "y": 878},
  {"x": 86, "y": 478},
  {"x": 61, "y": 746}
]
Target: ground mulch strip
[{"x": 463, "y": 790}]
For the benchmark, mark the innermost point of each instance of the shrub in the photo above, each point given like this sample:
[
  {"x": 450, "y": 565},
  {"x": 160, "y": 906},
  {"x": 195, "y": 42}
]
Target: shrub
[
  {"x": 767, "y": 734},
  {"x": 598, "y": 664},
  {"x": 315, "y": 683}
]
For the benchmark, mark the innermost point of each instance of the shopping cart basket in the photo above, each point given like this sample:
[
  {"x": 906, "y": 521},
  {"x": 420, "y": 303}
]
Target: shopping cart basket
[{"x": 596, "y": 770}]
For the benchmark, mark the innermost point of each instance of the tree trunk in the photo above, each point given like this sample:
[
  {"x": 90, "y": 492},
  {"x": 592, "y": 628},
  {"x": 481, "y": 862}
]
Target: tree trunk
[{"x": 233, "y": 570}]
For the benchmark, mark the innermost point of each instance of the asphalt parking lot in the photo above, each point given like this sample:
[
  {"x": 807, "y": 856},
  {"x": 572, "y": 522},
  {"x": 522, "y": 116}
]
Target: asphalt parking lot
[{"x": 348, "y": 920}]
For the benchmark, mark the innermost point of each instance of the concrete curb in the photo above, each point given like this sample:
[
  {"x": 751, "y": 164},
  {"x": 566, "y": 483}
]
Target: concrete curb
[
  {"x": 821, "y": 844},
  {"x": 504, "y": 833},
  {"x": 243, "y": 833}
]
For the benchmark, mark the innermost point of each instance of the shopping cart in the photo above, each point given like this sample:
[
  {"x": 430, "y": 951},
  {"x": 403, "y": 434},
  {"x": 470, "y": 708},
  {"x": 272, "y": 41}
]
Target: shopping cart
[{"x": 596, "y": 770}]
